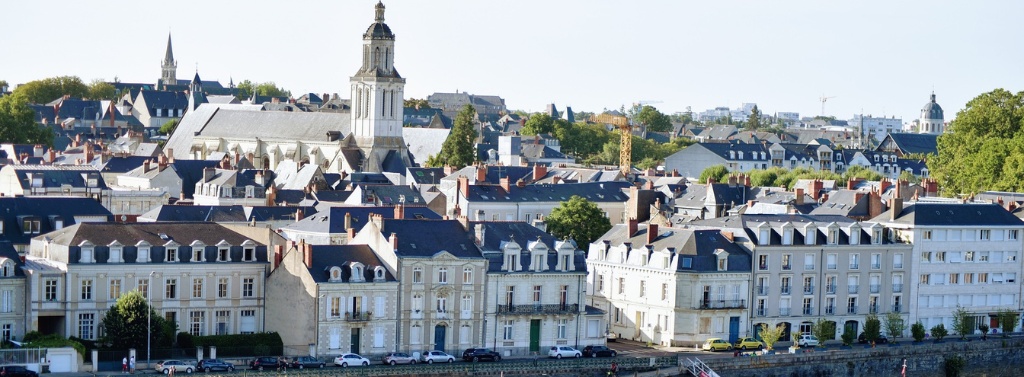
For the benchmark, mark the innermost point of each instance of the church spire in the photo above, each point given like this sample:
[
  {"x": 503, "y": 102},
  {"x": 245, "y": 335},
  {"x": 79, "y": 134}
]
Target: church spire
[
  {"x": 168, "y": 68},
  {"x": 169, "y": 55}
]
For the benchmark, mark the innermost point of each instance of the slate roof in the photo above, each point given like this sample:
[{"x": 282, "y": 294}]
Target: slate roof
[
  {"x": 948, "y": 214},
  {"x": 7, "y": 252},
  {"x": 592, "y": 191},
  {"x": 118, "y": 164},
  {"x": 842, "y": 202},
  {"x": 494, "y": 174},
  {"x": 196, "y": 213},
  {"x": 423, "y": 175},
  {"x": 159, "y": 99},
  {"x": 47, "y": 209},
  {"x": 698, "y": 245},
  {"x": 327, "y": 256},
  {"x": 425, "y": 238},
  {"x": 423, "y": 142},
  {"x": 749, "y": 225},
  {"x": 157, "y": 233},
  {"x": 56, "y": 176},
  {"x": 391, "y": 194},
  {"x": 276, "y": 213},
  {"x": 914, "y": 143},
  {"x": 540, "y": 151},
  {"x": 498, "y": 233},
  {"x": 332, "y": 219}
]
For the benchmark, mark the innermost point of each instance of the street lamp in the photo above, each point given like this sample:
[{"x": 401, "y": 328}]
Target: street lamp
[{"x": 149, "y": 321}]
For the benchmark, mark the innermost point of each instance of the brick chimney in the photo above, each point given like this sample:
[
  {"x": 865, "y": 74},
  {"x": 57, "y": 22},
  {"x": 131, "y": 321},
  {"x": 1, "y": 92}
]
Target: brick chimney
[
  {"x": 463, "y": 183},
  {"x": 711, "y": 180},
  {"x": 505, "y": 184},
  {"x": 883, "y": 185},
  {"x": 481, "y": 174},
  {"x": 816, "y": 187},
  {"x": 298, "y": 214},
  {"x": 170, "y": 155},
  {"x": 799, "y": 196},
  {"x": 278, "y": 256},
  {"x": 895, "y": 208},
  {"x": 556, "y": 179},
  {"x": 399, "y": 211},
  {"x": 53, "y": 155},
  {"x": 746, "y": 181},
  {"x": 162, "y": 161},
  {"x": 463, "y": 220},
  {"x": 539, "y": 171},
  {"x": 632, "y": 226},
  {"x": 145, "y": 166},
  {"x": 308, "y": 255},
  {"x": 732, "y": 181},
  {"x": 394, "y": 241},
  {"x": 852, "y": 183},
  {"x": 857, "y": 197},
  {"x": 652, "y": 233}
]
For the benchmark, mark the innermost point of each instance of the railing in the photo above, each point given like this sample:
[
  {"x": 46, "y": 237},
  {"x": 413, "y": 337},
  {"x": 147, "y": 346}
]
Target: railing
[
  {"x": 808, "y": 289},
  {"x": 852, "y": 309},
  {"x": 831, "y": 266},
  {"x": 875, "y": 288},
  {"x": 808, "y": 311},
  {"x": 762, "y": 290},
  {"x": 358, "y": 316},
  {"x": 897, "y": 265},
  {"x": 722, "y": 304},
  {"x": 854, "y": 266},
  {"x": 538, "y": 309},
  {"x": 896, "y": 308},
  {"x": 783, "y": 311},
  {"x": 853, "y": 288},
  {"x": 760, "y": 312},
  {"x": 876, "y": 266},
  {"x": 873, "y": 308},
  {"x": 809, "y": 267},
  {"x": 830, "y": 310},
  {"x": 762, "y": 267},
  {"x": 831, "y": 288},
  {"x": 785, "y": 289},
  {"x": 787, "y": 267},
  {"x": 897, "y": 288}
]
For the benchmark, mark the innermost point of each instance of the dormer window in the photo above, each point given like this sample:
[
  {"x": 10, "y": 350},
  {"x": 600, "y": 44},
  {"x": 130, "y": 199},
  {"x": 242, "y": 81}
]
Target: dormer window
[
  {"x": 198, "y": 252},
  {"x": 248, "y": 251},
  {"x": 335, "y": 274},
  {"x": 565, "y": 256},
  {"x": 170, "y": 253},
  {"x": 142, "y": 252},
  {"x": 223, "y": 251},
  {"x": 30, "y": 225},
  {"x": 763, "y": 234},
  {"x": 723, "y": 259},
  {"x": 357, "y": 273},
  {"x": 116, "y": 252},
  {"x": 787, "y": 235},
  {"x": 810, "y": 235},
  {"x": 855, "y": 235},
  {"x": 58, "y": 223},
  {"x": 876, "y": 236},
  {"x": 833, "y": 235},
  {"x": 88, "y": 252},
  {"x": 378, "y": 275},
  {"x": 7, "y": 270}
]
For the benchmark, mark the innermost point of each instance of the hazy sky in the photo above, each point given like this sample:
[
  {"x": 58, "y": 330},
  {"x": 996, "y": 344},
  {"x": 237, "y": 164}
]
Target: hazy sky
[{"x": 882, "y": 57}]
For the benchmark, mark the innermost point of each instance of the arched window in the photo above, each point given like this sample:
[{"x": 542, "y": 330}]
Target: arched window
[{"x": 376, "y": 56}]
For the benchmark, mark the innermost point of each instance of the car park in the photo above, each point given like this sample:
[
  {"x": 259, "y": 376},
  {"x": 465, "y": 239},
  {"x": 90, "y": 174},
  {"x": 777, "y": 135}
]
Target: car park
[
  {"x": 807, "y": 340},
  {"x": 559, "y": 352},
  {"x": 748, "y": 344},
  {"x": 431, "y": 357},
  {"x": 351, "y": 360},
  {"x": 599, "y": 351},
  {"x": 393, "y": 358},
  {"x": 716, "y": 344},
  {"x": 166, "y": 366},
  {"x": 303, "y": 362},
  {"x": 478, "y": 354},
  {"x": 17, "y": 371},
  {"x": 264, "y": 362},
  {"x": 208, "y": 365}
]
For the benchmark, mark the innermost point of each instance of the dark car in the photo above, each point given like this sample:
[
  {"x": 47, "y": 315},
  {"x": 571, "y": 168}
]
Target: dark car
[
  {"x": 265, "y": 362},
  {"x": 207, "y": 365},
  {"x": 477, "y": 354},
  {"x": 303, "y": 362},
  {"x": 17, "y": 371},
  {"x": 881, "y": 339},
  {"x": 598, "y": 351}
]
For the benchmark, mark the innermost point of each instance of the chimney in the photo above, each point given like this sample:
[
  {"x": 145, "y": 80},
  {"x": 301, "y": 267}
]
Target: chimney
[
  {"x": 351, "y": 232},
  {"x": 348, "y": 220},
  {"x": 652, "y": 233},
  {"x": 732, "y": 181},
  {"x": 53, "y": 155},
  {"x": 728, "y": 235},
  {"x": 145, "y": 166},
  {"x": 520, "y": 183},
  {"x": 632, "y": 226},
  {"x": 394, "y": 241},
  {"x": 711, "y": 180},
  {"x": 896, "y": 208},
  {"x": 504, "y": 184},
  {"x": 278, "y": 256},
  {"x": 799, "y": 196},
  {"x": 37, "y": 150},
  {"x": 308, "y": 254},
  {"x": 170, "y": 155},
  {"x": 275, "y": 100},
  {"x": 162, "y": 161},
  {"x": 208, "y": 174},
  {"x": 852, "y": 183},
  {"x": 298, "y": 214},
  {"x": 539, "y": 171},
  {"x": 259, "y": 178},
  {"x": 481, "y": 174},
  {"x": 857, "y": 197},
  {"x": 816, "y": 187},
  {"x": 399, "y": 211},
  {"x": 556, "y": 179},
  {"x": 675, "y": 173},
  {"x": 883, "y": 185},
  {"x": 649, "y": 185},
  {"x": 448, "y": 169},
  {"x": 480, "y": 232},
  {"x": 464, "y": 221},
  {"x": 746, "y": 181}
]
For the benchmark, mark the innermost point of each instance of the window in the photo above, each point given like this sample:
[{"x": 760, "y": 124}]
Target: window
[
  {"x": 969, "y": 278},
  {"x": 664, "y": 291},
  {"x": 197, "y": 288},
  {"x": 86, "y": 290},
  {"x": 335, "y": 304},
  {"x": 467, "y": 275},
  {"x": 926, "y": 256},
  {"x": 723, "y": 262},
  {"x": 171, "y": 289},
  {"x": 417, "y": 275},
  {"x": 7, "y": 332},
  {"x": 940, "y": 256},
  {"x": 115, "y": 289},
  {"x": 223, "y": 318},
  {"x": 442, "y": 275},
  {"x": 85, "y": 325},
  {"x": 466, "y": 306},
  {"x": 622, "y": 286},
  {"x": 249, "y": 254},
  {"x": 876, "y": 261},
  {"x": 762, "y": 262},
  {"x": 831, "y": 261},
  {"x": 561, "y": 329},
  {"x": 247, "y": 287},
  {"x": 954, "y": 278},
  {"x": 786, "y": 262},
  {"x": 197, "y": 254},
  {"x": 643, "y": 288},
  {"x": 171, "y": 254},
  {"x": 442, "y": 304},
  {"x": 143, "y": 286},
  {"x": 1012, "y": 234},
  {"x": 507, "y": 333},
  {"x": 222, "y": 287},
  {"x": 809, "y": 262},
  {"x": 808, "y": 284},
  {"x": 851, "y": 305},
  {"x": 982, "y": 256},
  {"x": 510, "y": 295},
  {"x": 925, "y": 279},
  {"x": 985, "y": 235},
  {"x": 563, "y": 296},
  {"x": 536, "y": 294},
  {"x": 926, "y": 234},
  {"x": 983, "y": 277},
  {"x": 222, "y": 254},
  {"x": 197, "y": 323},
  {"x": 7, "y": 301},
  {"x": 247, "y": 322}
]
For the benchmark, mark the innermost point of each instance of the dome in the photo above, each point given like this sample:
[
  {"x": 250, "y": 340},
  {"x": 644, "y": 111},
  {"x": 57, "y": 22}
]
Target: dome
[
  {"x": 378, "y": 30},
  {"x": 932, "y": 110}
]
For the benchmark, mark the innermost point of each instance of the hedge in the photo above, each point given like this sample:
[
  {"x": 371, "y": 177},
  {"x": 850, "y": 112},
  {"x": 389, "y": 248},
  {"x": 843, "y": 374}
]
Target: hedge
[{"x": 258, "y": 344}]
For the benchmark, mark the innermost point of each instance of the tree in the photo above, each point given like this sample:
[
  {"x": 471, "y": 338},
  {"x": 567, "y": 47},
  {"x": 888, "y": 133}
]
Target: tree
[
  {"x": 858, "y": 171},
  {"x": 268, "y": 89},
  {"x": 654, "y": 119},
  {"x": 3, "y": 85},
  {"x": 538, "y": 124},
  {"x": 578, "y": 219},
  {"x": 457, "y": 150},
  {"x": 823, "y": 330},
  {"x": 894, "y": 326},
  {"x": 771, "y": 334},
  {"x": 848, "y": 335},
  {"x": 49, "y": 89},
  {"x": 17, "y": 122},
  {"x": 125, "y": 322},
  {"x": 101, "y": 90},
  {"x": 1007, "y": 321},
  {"x": 939, "y": 331},
  {"x": 953, "y": 365},
  {"x": 872, "y": 328},
  {"x": 169, "y": 127},
  {"x": 416, "y": 103},
  {"x": 754, "y": 120},
  {"x": 716, "y": 172},
  {"x": 917, "y": 331},
  {"x": 963, "y": 322}
]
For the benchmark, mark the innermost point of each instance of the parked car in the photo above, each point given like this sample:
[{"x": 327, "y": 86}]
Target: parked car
[
  {"x": 882, "y": 339},
  {"x": 207, "y": 365},
  {"x": 303, "y": 362},
  {"x": 437, "y": 356},
  {"x": 264, "y": 362},
  {"x": 598, "y": 351},
  {"x": 748, "y": 344},
  {"x": 717, "y": 344},
  {"x": 351, "y": 360},
  {"x": 559, "y": 352},
  {"x": 477, "y": 354},
  {"x": 17, "y": 371},
  {"x": 178, "y": 366},
  {"x": 807, "y": 340},
  {"x": 393, "y": 358}
]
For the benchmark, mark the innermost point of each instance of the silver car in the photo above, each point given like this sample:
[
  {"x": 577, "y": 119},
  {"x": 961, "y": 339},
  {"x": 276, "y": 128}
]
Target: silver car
[
  {"x": 166, "y": 366},
  {"x": 437, "y": 357}
]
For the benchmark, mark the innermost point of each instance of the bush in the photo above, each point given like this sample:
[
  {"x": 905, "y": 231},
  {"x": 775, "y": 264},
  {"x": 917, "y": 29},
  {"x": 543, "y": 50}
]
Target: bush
[
  {"x": 243, "y": 344},
  {"x": 953, "y": 365},
  {"x": 917, "y": 331},
  {"x": 184, "y": 340},
  {"x": 939, "y": 331},
  {"x": 848, "y": 335},
  {"x": 53, "y": 341}
]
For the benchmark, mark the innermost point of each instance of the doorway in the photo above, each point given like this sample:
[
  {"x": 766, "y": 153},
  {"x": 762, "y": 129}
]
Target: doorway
[
  {"x": 439, "y": 337},
  {"x": 534, "y": 335},
  {"x": 354, "y": 341}
]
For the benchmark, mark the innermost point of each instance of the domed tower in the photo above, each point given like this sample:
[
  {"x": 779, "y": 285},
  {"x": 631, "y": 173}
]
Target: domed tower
[{"x": 932, "y": 121}]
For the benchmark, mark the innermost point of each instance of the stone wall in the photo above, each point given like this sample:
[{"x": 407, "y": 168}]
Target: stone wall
[{"x": 994, "y": 357}]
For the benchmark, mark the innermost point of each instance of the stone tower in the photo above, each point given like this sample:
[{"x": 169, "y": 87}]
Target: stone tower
[
  {"x": 168, "y": 68},
  {"x": 932, "y": 120}
]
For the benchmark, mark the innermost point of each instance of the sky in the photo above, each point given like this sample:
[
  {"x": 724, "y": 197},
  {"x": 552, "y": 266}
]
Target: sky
[{"x": 877, "y": 57}]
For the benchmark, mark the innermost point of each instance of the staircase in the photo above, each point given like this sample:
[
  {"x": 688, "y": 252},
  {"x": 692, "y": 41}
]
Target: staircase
[{"x": 697, "y": 368}]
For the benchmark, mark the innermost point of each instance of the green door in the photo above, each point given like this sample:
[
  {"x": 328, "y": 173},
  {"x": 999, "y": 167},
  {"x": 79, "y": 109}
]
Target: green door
[
  {"x": 534, "y": 335},
  {"x": 355, "y": 341}
]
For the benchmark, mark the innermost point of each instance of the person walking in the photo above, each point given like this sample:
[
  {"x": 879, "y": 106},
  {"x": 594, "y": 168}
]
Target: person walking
[
  {"x": 124, "y": 364},
  {"x": 131, "y": 365}
]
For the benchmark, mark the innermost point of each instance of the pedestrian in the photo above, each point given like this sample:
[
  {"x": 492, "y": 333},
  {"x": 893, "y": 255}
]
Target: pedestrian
[
  {"x": 131, "y": 365},
  {"x": 124, "y": 365}
]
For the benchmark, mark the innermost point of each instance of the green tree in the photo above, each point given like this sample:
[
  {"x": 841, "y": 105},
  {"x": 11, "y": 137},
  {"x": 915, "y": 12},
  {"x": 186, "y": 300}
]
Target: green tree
[
  {"x": 939, "y": 331},
  {"x": 246, "y": 88},
  {"x": 583, "y": 140},
  {"x": 894, "y": 326},
  {"x": 909, "y": 177},
  {"x": 953, "y": 365},
  {"x": 169, "y": 127},
  {"x": 653, "y": 119},
  {"x": 771, "y": 334},
  {"x": 754, "y": 120},
  {"x": 917, "y": 331},
  {"x": 538, "y": 124},
  {"x": 1007, "y": 321},
  {"x": 17, "y": 122},
  {"x": 457, "y": 150},
  {"x": 872, "y": 328},
  {"x": 101, "y": 90},
  {"x": 717, "y": 172},
  {"x": 857, "y": 171},
  {"x": 963, "y": 322},
  {"x": 578, "y": 219},
  {"x": 848, "y": 335},
  {"x": 416, "y": 103},
  {"x": 823, "y": 330},
  {"x": 125, "y": 323},
  {"x": 49, "y": 89}
]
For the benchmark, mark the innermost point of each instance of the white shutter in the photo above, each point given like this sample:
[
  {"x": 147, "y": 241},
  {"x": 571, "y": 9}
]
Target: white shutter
[
  {"x": 247, "y": 324},
  {"x": 335, "y": 339},
  {"x": 593, "y": 328},
  {"x": 464, "y": 334},
  {"x": 378, "y": 337},
  {"x": 378, "y": 306}
]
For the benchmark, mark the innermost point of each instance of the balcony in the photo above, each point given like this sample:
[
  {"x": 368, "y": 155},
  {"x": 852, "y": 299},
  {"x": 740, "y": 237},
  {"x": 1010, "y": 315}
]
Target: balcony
[
  {"x": 876, "y": 266},
  {"x": 762, "y": 290},
  {"x": 854, "y": 266},
  {"x": 808, "y": 311},
  {"x": 897, "y": 265},
  {"x": 830, "y": 310},
  {"x": 531, "y": 309},
  {"x": 358, "y": 316},
  {"x": 873, "y": 308},
  {"x": 853, "y": 289},
  {"x": 759, "y": 312},
  {"x": 809, "y": 267},
  {"x": 875, "y": 288},
  {"x": 783, "y": 311},
  {"x": 831, "y": 266},
  {"x": 722, "y": 304},
  {"x": 897, "y": 288},
  {"x": 808, "y": 289},
  {"x": 852, "y": 309},
  {"x": 787, "y": 267},
  {"x": 785, "y": 289},
  {"x": 897, "y": 308},
  {"x": 831, "y": 288}
]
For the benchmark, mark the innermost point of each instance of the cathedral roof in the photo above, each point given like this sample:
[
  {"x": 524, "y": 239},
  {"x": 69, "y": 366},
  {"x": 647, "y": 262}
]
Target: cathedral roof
[
  {"x": 378, "y": 29},
  {"x": 932, "y": 110}
]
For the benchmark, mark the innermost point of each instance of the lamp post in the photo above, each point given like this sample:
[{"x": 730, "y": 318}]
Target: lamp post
[{"x": 149, "y": 321}]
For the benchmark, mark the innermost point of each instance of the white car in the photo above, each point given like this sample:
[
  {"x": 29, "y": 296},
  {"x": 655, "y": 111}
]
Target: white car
[
  {"x": 351, "y": 360},
  {"x": 559, "y": 352},
  {"x": 807, "y": 340},
  {"x": 437, "y": 356}
]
